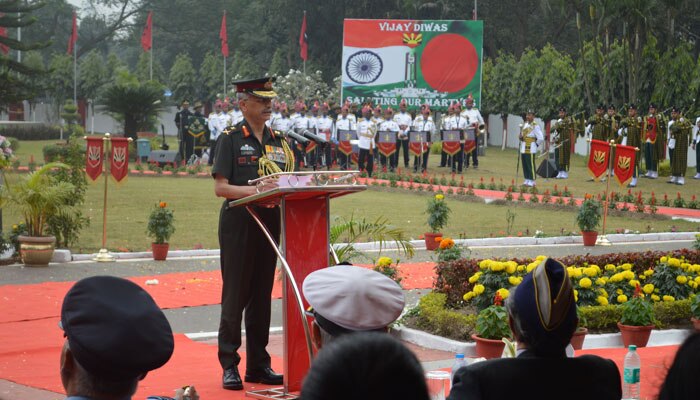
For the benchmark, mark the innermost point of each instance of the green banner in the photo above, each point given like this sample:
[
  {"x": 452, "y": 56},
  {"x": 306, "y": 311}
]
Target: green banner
[{"x": 435, "y": 62}]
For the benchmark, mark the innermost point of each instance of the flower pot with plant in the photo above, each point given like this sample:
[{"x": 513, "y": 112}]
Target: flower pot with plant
[
  {"x": 581, "y": 331},
  {"x": 695, "y": 312},
  {"x": 637, "y": 320},
  {"x": 39, "y": 196},
  {"x": 491, "y": 327},
  {"x": 161, "y": 226},
  {"x": 438, "y": 211},
  {"x": 588, "y": 220}
]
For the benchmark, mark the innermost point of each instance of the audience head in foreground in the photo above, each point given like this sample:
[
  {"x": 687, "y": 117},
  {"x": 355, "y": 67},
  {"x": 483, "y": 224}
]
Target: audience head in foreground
[
  {"x": 542, "y": 317},
  {"x": 115, "y": 334},
  {"x": 682, "y": 376},
  {"x": 348, "y": 299},
  {"x": 366, "y": 366}
]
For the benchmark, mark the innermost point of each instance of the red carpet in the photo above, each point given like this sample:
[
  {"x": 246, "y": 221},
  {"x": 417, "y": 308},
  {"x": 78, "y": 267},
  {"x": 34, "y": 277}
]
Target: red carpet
[{"x": 176, "y": 290}]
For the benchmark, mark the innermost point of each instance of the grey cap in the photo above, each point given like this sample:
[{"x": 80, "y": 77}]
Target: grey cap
[{"x": 354, "y": 298}]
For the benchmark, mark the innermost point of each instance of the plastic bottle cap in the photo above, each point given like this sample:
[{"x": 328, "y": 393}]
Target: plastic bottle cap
[
  {"x": 459, "y": 355},
  {"x": 633, "y": 347}
]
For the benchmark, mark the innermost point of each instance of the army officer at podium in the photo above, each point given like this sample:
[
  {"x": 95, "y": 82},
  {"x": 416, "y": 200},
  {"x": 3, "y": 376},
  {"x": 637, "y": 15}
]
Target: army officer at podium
[{"x": 246, "y": 151}]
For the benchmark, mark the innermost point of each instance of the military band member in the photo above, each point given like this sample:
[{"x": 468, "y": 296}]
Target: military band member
[
  {"x": 445, "y": 123},
  {"x": 460, "y": 123},
  {"x": 217, "y": 125},
  {"x": 404, "y": 120},
  {"x": 696, "y": 147},
  {"x": 301, "y": 122},
  {"x": 182, "y": 119},
  {"x": 562, "y": 132},
  {"x": 324, "y": 128},
  {"x": 595, "y": 126},
  {"x": 388, "y": 125},
  {"x": 276, "y": 113},
  {"x": 612, "y": 122},
  {"x": 366, "y": 131},
  {"x": 377, "y": 118},
  {"x": 679, "y": 139},
  {"x": 282, "y": 123},
  {"x": 235, "y": 113},
  {"x": 630, "y": 134},
  {"x": 475, "y": 122},
  {"x": 226, "y": 117},
  {"x": 531, "y": 137},
  {"x": 423, "y": 123},
  {"x": 652, "y": 127},
  {"x": 343, "y": 123}
]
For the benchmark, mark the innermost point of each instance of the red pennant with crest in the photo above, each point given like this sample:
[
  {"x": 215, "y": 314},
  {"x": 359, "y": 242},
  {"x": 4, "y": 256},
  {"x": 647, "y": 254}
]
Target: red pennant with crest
[
  {"x": 469, "y": 146},
  {"x": 415, "y": 148},
  {"x": 93, "y": 158},
  {"x": 386, "y": 143},
  {"x": 624, "y": 163},
  {"x": 451, "y": 142},
  {"x": 599, "y": 158},
  {"x": 119, "y": 158}
]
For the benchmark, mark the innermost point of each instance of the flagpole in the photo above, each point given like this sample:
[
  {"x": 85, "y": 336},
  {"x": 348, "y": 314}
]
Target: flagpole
[
  {"x": 602, "y": 239},
  {"x": 224, "y": 92},
  {"x": 75, "y": 74},
  {"x": 103, "y": 255},
  {"x": 151, "y": 51},
  {"x": 306, "y": 44}
]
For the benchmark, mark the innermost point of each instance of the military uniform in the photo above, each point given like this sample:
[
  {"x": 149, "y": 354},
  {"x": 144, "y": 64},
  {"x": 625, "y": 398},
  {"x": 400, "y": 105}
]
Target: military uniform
[
  {"x": 182, "y": 120},
  {"x": 423, "y": 124},
  {"x": 366, "y": 132},
  {"x": 217, "y": 124},
  {"x": 402, "y": 119},
  {"x": 630, "y": 134},
  {"x": 679, "y": 139},
  {"x": 532, "y": 136},
  {"x": 247, "y": 259},
  {"x": 387, "y": 125},
  {"x": 474, "y": 122},
  {"x": 445, "y": 122},
  {"x": 300, "y": 123},
  {"x": 324, "y": 128},
  {"x": 596, "y": 128},
  {"x": 652, "y": 135},
  {"x": 235, "y": 114},
  {"x": 343, "y": 123},
  {"x": 563, "y": 131}
]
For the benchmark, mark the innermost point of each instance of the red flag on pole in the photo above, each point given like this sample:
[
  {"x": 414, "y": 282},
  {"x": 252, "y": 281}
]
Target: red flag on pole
[
  {"x": 73, "y": 35},
  {"x": 119, "y": 158},
  {"x": 93, "y": 161},
  {"x": 303, "y": 41},
  {"x": 3, "y": 33},
  {"x": 624, "y": 163},
  {"x": 599, "y": 158},
  {"x": 223, "y": 36},
  {"x": 147, "y": 35}
]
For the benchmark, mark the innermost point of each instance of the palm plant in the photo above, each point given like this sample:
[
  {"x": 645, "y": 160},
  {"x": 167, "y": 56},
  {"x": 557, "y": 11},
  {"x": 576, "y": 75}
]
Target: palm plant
[{"x": 349, "y": 231}]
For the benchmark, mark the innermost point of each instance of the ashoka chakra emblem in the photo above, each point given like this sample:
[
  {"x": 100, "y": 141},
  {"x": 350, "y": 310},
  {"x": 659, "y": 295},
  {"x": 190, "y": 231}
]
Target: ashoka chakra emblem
[{"x": 364, "y": 67}]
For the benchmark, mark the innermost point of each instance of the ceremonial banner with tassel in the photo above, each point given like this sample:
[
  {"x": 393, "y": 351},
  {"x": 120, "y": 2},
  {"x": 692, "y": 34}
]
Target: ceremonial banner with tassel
[
  {"x": 599, "y": 158},
  {"x": 416, "y": 139},
  {"x": 387, "y": 143},
  {"x": 451, "y": 142},
  {"x": 624, "y": 164},
  {"x": 94, "y": 159},
  {"x": 344, "y": 138},
  {"x": 119, "y": 158}
]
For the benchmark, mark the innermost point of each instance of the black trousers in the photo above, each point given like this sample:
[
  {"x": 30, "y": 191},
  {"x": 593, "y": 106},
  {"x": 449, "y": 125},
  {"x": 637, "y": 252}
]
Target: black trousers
[
  {"x": 366, "y": 157},
  {"x": 424, "y": 163},
  {"x": 401, "y": 144},
  {"x": 212, "y": 151},
  {"x": 248, "y": 272},
  {"x": 327, "y": 152},
  {"x": 458, "y": 159},
  {"x": 446, "y": 160},
  {"x": 474, "y": 154}
]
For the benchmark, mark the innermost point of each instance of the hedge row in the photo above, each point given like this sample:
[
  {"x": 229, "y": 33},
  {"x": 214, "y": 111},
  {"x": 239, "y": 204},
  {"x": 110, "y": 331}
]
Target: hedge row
[
  {"x": 31, "y": 132},
  {"x": 453, "y": 277},
  {"x": 434, "y": 317}
]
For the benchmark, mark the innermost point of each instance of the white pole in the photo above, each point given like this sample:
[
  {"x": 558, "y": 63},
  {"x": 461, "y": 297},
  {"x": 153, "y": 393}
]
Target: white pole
[
  {"x": 475, "y": 11},
  {"x": 19, "y": 39}
]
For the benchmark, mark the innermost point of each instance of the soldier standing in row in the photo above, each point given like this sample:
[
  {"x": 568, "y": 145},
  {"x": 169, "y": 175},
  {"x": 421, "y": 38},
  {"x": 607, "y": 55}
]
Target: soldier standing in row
[
  {"x": 343, "y": 123},
  {"x": 445, "y": 124},
  {"x": 217, "y": 125},
  {"x": 462, "y": 124},
  {"x": 300, "y": 124},
  {"x": 404, "y": 121},
  {"x": 366, "y": 131},
  {"x": 476, "y": 122},
  {"x": 423, "y": 123},
  {"x": 530, "y": 137},
  {"x": 595, "y": 126},
  {"x": 182, "y": 119},
  {"x": 562, "y": 132},
  {"x": 630, "y": 134},
  {"x": 679, "y": 139},
  {"x": 235, "y": 113},
  {"x": 388, "y": 125},
  {"x": 652, "y": 128},
  {"x": 324, "y": 128}
]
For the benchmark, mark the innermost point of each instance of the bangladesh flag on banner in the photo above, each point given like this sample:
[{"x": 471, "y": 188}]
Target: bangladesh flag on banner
[{"x": 429, "y": 61}]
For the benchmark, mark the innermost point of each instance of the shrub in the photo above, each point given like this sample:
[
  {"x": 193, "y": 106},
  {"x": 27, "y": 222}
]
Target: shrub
[
  {"x": 589, "y": 215},
  {"x": 492, "y": 322},
  {"x": 435, "y": 318},
  {"x": 438, "y": 211},
  {"x": 31, "y": 132},
  {"x": 638, "y": 311}
]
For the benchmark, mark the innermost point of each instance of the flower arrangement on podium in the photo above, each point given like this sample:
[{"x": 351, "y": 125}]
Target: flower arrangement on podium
[
  {"x": 637, "y": 319},
  {"x": 438, "y": 212},
  {"x": 492, "y": 326},
  {"x": 588, "y": 219},
  {"x": 161, "y": 226}
]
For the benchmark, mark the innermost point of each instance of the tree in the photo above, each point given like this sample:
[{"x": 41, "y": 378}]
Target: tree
[
  {"x": 295, "y": 85},
  {"x": 211, "y": 77},
  {"x": 136, "y": 104},
  {"x": 60, "y": 79},
  {"x": 278, "y": 65},
  {"x": 182, "y": 78},
  {"x": 674, "y": 74},
  {"x": 35, "y": 84},
  {"x": 143, "y": 68},
  {"x": 93, "y": 74}
]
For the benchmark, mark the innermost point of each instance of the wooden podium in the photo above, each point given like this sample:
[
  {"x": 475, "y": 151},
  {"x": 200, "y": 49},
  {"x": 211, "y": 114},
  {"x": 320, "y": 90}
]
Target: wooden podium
[{"x": 304, "y": 201}]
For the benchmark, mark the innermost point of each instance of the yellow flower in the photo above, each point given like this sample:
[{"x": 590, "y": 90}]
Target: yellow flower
[
  {"x": 655, "y": 297},
  {"x": 609, "y": 267},
  {"x": 626, "y": 266},
  {"x": 531, "y": 266},
  {"x": 674, "y": 262},
  {"x": 628, "y": 275},
  {"x": 475, "y": 277},
  {"x": 619, "y": 291},
  {"x": 585, "y": 283},
  {"x": 439, "y": 197},
  {"x": 697, "y": 280},
  {"x": 685, "y": 266},
  {"x": 515, "y": 280},
  {"x": 497, "y": 266},
  {"x": 575, "y": 295},
  {"x": 616, "y": 278},
  {"x": 503, "y": 292},
  {"x": 520, "y": 268},
  {"x": 648, "y": 288},
  {"x": 540, "y": 258},
  {"x": 511, "y": 266},
  {"x": 15, "y": 227},
  {"x": 692, "y": 284},
  {"x": 649, "y": 272},
  {"x": 384, "y": 261},
  {"x": 622, "y": 298},
  {"x": 468, "y": 296},
  {"x": 603, "y": 292},
  {"x": 664, "y": 259},
  {"x": 681, "y": 279},
  {"x": 668, "y": 298},
  {"x": 479, "y": 289},
  {"x": 633, "y": 283},
  {"x": 484, "y": 264},
  {"x": 603, "y": 301},
  {"x": 590, "y": 271}
]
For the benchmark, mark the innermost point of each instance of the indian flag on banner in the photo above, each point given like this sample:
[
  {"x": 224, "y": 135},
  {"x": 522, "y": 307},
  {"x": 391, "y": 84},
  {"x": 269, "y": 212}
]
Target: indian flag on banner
[{"x": 435, "y": 61}]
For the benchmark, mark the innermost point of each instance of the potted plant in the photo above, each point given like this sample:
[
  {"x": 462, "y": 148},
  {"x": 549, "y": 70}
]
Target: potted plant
[
  {"x": 437, "y": 211},
  {"x": 695, "y": 312},
  {"x": 588, "y": 220},
  {"x": 491, "y": 327},
  {"x": 581, "y": 331},
  {"x": 637, "y": 320},
  {"x": 38, "y": 197},
  {"x": 160, "y": 227}
]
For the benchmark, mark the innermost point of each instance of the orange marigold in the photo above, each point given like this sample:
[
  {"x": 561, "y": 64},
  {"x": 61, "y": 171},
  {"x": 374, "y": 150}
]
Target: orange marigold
[
  {"x": 162, "y": 204},
  {"x": 446, "y": 243},
  {"x": 438, "y": 239}
]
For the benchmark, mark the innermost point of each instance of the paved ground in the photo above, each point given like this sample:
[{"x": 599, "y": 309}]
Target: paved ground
[{"x": 204, "y": 319}]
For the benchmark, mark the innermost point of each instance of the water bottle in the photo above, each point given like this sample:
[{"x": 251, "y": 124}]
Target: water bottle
[
  {"x": 459, "y": 363},
  {"x": 630, "y": 383}
]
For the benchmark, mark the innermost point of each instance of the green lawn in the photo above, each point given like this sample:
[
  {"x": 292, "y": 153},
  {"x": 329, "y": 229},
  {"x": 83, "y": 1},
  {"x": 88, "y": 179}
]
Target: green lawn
[{"x": 196, "y": 208}]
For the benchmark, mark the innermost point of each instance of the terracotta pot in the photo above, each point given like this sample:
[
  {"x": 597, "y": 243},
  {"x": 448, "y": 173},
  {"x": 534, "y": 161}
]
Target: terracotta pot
[
  {"x": 160, "y": 251},
  {"x": 589, "y": 237},
  {"x": 578, "y": 338},
  {"x": 36, "y": 251},
  {"x": 430, "y": 243},
  {"x": 636, "y": 335},
  {"x": 488, "y": 348},
  {"x": 696, "y": 324}
]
